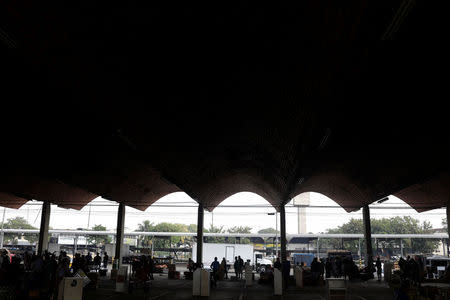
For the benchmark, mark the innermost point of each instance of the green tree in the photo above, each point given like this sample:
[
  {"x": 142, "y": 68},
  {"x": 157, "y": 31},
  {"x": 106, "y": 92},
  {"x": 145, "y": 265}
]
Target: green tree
[
  {"x": 269, "y": 230},
  {"x": 145, "y": 240},
  {"x": 172, "y": 227},
  {"x": 19, "y": 223},
  {"x": 162, "y": 241},
  {"x": 240, "y": 229},
  {"x": 98, "y": 240},
  {"x": 394, "y": 225},
  {"x": 192, "y": 228},
  {"x": 214, "y": 229}
]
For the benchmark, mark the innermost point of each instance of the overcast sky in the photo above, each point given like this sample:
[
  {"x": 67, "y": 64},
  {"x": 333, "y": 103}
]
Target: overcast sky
[{"x": 318, "y": 219}]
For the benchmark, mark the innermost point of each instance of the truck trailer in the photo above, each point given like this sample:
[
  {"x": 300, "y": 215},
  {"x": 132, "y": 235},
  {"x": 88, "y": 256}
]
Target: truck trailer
[{"x": 229, "y": 251}]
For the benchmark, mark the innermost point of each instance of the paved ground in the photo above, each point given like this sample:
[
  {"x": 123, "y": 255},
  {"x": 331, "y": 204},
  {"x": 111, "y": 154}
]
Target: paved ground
[{"x": 168, "y": 289}]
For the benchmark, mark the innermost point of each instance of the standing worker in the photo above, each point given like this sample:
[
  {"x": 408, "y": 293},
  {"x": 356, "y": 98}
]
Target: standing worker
[
  {"x": 151, "y": 266},
  {"x": 223, "y": 265},
  {"x": 190, "y": 265},
  {"x": 105, "y": 260},
  {"x": 97, "y": 261},
  {"x": 241, "y": 266},
  {"x": 315, "y": 270},
  {"x": 236, "y": 267},
  {"x": 277, "y": 264},
  {"x": 215, "y": 269},
  {"x": 378, "y": 265}
]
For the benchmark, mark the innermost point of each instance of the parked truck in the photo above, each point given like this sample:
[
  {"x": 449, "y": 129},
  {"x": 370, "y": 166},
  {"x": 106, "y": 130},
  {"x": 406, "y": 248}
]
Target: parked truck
[
  {"x": 299, "y": 258},
  {"x": 229, "y": 251},
  {"x": 111, "y": 250}
]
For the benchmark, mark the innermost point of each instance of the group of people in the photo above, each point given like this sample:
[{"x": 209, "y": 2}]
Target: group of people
[
  {"x": 30, "y": 275},
  {"x": 336, "y": 266},
  {"x": 411, "y": 270},
  {"x": 86, "y": 263},
  {"x": 266, "y": 276},
  {"x": 341, "y": 267},
  {"x": 326, "y": 268},
  {"x": 312, "y": 274},
  {"x": 143, "y": 267},
  {"x": 219, "y": 270},
  {"x": 238, "y": 266}
]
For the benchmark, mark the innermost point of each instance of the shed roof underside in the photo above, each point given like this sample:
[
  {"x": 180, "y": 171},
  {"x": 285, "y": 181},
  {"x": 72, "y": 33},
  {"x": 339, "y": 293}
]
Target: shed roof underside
[{"x": 133, "y": 103}]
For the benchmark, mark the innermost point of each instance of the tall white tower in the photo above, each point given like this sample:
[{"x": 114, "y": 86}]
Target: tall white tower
[{"x": 302, "y": 201}]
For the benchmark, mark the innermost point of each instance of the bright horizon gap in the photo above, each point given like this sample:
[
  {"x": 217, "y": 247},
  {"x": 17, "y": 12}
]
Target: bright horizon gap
[{"x": 253, "y": 215}]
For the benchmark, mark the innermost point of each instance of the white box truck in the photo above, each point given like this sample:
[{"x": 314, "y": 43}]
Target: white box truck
[
  {"x": 111, "y": 250},
  {"x": 229, "y": 251}
]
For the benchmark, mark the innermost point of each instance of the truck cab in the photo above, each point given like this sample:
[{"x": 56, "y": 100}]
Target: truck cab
[{"x": 437, "y": 264}]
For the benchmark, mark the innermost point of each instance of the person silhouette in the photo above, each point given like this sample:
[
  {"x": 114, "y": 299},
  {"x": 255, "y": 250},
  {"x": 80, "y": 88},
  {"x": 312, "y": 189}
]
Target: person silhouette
[
  {"x": 236, "y": 267},
  {"x": 223, "y": 265},
  {"x": 241, "y": 266},
  {"x": 277, "y": 264},
  {"x": 215, "y": 269},
  {"x": 378, "y": 265},
  {"x": 97, "y": 261},
  {"x": 105, "y": 260}
]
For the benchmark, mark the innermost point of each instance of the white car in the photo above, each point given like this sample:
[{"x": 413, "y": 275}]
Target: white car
[
  {"x": 262, "y": 263},
  {"x": 265, "y": 262}
]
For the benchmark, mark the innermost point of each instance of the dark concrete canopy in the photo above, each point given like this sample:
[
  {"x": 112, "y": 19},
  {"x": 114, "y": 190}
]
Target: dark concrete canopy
[{"x": 133, "y": 103}]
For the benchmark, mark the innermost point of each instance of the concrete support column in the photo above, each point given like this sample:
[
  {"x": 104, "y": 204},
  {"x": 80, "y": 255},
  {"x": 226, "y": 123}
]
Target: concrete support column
[
  {"x": 448, "y": 226},
  {"x": 153, "y": 240},
  {"x": 448, "y": 252},
  {"x": 276, "y": 234},
  {"x": 75, "y": 245},
  {"x": 200, "y": 234},
  {"x": 43, "y": 230},
  {"x": 359, "y": 249},
  {"x": 283, "y": 232},
  {"x": 318, "y": 249},
  {"x": 119, "y": 234},
  {"x": 3, "y": 223},
  {"x": 367, "y": 234}
]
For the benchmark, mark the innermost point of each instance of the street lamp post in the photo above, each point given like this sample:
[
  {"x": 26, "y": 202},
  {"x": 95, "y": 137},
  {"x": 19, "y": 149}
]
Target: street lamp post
[
  {"x": 276, "y": 231},
  {"x": 3, "y": 222}
]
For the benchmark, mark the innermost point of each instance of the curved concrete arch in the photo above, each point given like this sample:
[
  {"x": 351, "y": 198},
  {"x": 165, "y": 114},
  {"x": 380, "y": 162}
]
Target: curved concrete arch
[
  {"x": 20, "y": 189},
  {"x": 142, "y": 199},
  {"x": 11, "y": 201},
  {"x": 224, "y": 187},
  {"x": 313, "y": 192},
  {"x": 339, "y": 187},
  {"x": 431, "y": 194},
  {"x": 218, "y": 205},
  {"x": 137, "y": 186},
  {"x": 171, "y": 194}
]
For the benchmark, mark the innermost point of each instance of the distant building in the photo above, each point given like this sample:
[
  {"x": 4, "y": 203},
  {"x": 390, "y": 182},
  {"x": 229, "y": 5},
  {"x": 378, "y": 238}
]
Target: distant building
[
  {"x": 302, "y": 245},
  {"x": 70, "y": 240},
  {"x": 302, "y": 201}
]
